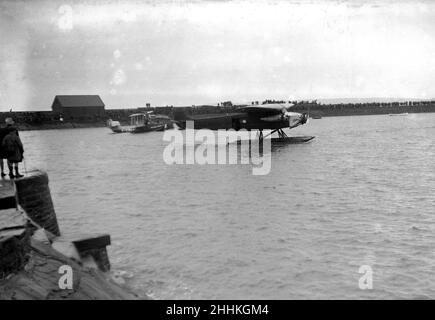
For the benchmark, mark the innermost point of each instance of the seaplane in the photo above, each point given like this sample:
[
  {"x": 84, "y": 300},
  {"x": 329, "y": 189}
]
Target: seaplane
[{"x": 272, "y": 116}]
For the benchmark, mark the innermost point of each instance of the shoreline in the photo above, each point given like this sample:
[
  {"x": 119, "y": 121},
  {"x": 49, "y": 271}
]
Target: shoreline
[
  {"x": 313, "y": 113},
  {"x": 67, "y": 125}
]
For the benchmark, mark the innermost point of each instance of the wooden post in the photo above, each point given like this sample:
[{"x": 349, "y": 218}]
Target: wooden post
[
  {"x": 34, "y": 196},
  {"x": 95, "y": 246}
]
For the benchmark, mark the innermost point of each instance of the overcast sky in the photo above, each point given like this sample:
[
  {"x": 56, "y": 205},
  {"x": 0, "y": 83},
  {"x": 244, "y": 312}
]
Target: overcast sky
[{"x": 193, "y": 52}]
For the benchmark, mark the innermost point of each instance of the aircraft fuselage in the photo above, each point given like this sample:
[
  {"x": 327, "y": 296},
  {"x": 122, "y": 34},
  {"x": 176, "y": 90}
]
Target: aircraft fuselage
[{"x": 242, "y": 120}]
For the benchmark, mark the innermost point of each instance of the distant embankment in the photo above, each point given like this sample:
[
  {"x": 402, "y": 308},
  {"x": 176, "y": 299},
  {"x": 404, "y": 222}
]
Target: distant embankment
[
  {"x": 355, "y": 109},
  {"x": 45, "y": 120},
  {"x": 332, "y": 110},
  {"x": 42, "y": 120}
]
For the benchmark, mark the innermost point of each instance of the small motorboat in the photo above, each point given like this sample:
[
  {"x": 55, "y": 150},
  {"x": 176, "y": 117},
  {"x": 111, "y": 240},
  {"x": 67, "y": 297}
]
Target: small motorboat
[
  {"x": 162, "y": 119},
  {"x": 163, "y": 127},
  {"x": 148, "y": 128},
  {"x": 143, "y": 122},
  {"x": 398, "y": 114}
]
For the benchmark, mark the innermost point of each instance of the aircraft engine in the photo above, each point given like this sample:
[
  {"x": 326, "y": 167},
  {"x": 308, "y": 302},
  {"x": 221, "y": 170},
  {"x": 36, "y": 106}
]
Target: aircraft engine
[{"x": 295, "y": 119}]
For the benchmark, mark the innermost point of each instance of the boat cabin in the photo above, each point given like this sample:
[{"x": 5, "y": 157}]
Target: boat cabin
[{"x": 139, "y": 119}]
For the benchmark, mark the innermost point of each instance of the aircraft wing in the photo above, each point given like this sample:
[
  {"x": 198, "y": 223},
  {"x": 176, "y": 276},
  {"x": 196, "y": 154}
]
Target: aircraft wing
[{"x": 266, "y": 109}]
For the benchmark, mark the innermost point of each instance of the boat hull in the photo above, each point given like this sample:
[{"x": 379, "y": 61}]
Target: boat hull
[{"x": 147, "y": 128}]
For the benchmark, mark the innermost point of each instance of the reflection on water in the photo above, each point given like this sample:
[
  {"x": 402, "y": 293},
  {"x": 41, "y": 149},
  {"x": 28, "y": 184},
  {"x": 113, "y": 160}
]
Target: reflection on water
[{"x": 361, "y": 193}]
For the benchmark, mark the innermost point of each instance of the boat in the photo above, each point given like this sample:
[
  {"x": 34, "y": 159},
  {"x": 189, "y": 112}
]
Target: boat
[
  {"x": 143, "y": 122},
  {"x": 116, "y": 127},
  {"x": 148, "y": 128},
  {"x": 162, "y": 119},
  {"x": 398, "y": 114}
]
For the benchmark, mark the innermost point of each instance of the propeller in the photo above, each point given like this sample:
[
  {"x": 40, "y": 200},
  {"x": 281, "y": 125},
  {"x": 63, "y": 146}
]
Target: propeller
[
  {"x": 294, "y": 118},
  {"x": 285, "y": 113},
  {"x": 307, "y": 115},
  {"x": 303, "y": 118},
  {"x": 288, "y": 106}
]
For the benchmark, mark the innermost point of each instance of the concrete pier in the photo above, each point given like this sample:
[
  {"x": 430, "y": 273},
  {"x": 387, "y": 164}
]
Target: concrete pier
[{"x": 32, "y": 255}]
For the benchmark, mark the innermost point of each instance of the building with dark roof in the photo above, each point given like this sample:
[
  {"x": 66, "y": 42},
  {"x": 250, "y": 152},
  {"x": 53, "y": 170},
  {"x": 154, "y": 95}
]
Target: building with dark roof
[{"x": 79, "y": 107}]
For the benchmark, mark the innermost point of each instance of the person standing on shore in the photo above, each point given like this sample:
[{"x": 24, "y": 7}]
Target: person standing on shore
[
  {"x": 13, "y": 149},
  {"x": 3, "y": 156}
]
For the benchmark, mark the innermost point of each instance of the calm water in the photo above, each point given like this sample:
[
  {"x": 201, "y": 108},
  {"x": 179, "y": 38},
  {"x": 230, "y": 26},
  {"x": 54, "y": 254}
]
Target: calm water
[{"x": 362, "y": 193}]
